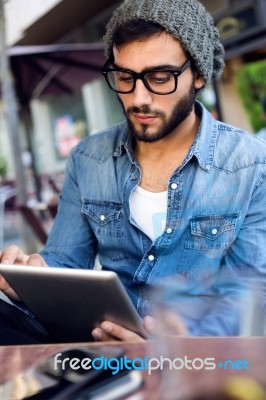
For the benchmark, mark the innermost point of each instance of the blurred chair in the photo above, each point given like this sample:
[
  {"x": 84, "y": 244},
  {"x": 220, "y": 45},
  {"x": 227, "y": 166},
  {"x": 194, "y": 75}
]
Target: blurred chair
[
  {"x": 52, "y": 208},
  {"x": 34, "y": 221},
  {"x": 54, "y": 185}
]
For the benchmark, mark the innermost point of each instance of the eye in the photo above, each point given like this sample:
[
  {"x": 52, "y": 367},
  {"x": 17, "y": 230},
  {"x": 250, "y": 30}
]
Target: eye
[
  {"x": 124, "y": 77},
  {"x": 159, "y": 77}
]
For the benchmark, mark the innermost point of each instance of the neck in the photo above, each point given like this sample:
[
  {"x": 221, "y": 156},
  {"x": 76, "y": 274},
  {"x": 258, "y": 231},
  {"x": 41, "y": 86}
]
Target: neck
[{"x": 159, "y": 160}]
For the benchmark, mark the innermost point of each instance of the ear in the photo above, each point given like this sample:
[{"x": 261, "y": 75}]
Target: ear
[{"x": 199, "y": 82}]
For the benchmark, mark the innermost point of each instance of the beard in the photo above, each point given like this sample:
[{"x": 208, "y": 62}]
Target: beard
[{"x": 181, "y": 111}]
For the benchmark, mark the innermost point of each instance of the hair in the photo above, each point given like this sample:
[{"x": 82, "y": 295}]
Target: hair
[
  {"x": 140, "y": 30},
  {"x": 135, "y": 30}
]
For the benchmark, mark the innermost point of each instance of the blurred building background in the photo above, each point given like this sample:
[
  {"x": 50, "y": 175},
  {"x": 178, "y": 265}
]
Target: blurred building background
[
  {"x": 59, "y": 121},
  {"x": 242, "y": 25},
  {"x": 93, "y": 108}
]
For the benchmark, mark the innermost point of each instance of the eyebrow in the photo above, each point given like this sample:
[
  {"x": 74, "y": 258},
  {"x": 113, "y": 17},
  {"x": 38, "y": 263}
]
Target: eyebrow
[{"x": 150, "y": 68}]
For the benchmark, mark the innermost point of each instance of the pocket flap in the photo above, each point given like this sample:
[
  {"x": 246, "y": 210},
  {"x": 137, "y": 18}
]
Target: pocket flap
[
  {"x": 101, "y": 211},
  {"x": 212, "y": 226}
]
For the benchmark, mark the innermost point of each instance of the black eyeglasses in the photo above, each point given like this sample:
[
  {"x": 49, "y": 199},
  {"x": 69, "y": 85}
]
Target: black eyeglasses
[{"x": 157, "y": 81}]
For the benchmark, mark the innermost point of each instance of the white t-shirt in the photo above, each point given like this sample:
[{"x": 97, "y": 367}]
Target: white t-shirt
[{"x": 149, "y": 209}]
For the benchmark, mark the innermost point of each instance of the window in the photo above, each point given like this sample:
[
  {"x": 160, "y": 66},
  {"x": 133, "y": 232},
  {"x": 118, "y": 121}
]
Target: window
[{"x": 68, "y": 121}]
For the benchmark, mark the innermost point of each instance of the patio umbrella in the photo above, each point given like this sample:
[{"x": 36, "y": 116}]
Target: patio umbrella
[
  {"x": 51, "y": 69},
  {"x": 54, "y": 69}
]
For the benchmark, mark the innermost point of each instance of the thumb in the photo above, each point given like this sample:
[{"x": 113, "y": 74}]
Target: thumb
[{"x": 151, "y": 325}]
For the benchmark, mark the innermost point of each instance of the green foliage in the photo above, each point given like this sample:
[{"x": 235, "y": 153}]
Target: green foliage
[
  {"x": 3, "y": 166},
  {"x": 251, "y": 83}
]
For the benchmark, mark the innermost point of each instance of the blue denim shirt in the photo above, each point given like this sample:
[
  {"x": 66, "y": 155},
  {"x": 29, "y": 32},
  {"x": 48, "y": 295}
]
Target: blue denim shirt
[{"x": 216, "y": 218}]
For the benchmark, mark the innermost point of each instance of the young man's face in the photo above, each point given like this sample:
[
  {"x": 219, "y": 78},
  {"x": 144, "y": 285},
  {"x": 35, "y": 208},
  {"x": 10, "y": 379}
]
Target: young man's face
[{"x": 152, "y": 116}]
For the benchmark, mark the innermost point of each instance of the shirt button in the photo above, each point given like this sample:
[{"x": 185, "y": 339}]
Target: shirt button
[
  {"x": 151, "y": 257},
  {"x": 102, "y": 217},
  {"x": 174, "y": 186},
  {"x": 169, "y": 230},
  {"x": 214, "y": 231}
]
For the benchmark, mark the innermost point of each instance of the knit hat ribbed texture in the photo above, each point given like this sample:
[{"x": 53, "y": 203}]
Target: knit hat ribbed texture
[{"x": 186, "y": 20}]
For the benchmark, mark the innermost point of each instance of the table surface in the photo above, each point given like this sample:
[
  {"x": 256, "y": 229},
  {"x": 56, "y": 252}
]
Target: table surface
[{"x": 252, "y": 350}]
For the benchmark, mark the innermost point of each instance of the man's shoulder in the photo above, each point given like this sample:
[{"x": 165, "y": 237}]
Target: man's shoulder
[
  {"x": 238, "y": 148},
  {"x": 261, "y": 134},
  {"x": 102, "y": 144}
]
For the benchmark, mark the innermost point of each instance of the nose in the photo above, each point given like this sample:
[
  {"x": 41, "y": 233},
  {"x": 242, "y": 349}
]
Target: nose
[{"x": 141, "y": 95}]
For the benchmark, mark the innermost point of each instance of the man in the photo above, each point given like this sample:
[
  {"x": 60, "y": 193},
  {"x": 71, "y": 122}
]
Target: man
[{"x": 171, "y": 191}]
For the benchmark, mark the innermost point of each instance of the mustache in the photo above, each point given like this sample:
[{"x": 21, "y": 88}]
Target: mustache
[{"x": 144, "y": 110}]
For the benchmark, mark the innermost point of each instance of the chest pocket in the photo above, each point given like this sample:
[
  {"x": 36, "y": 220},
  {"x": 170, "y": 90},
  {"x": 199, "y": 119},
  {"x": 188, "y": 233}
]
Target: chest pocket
[
  {"x": 105, "y": 217},
  {"x": 214, "y": 231}
]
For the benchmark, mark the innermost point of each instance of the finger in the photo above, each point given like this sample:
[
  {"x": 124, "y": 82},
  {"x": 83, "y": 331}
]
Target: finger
[
  {"x": 3, "y": 284},
  {"x": 97, "y": 334},
  {"x": 36, "y": 260},
  {"x": 13, "y": 254},
  {"x": 120, "y": 332},
  {"x": 7, "y": 290},
  {"x": 151, "y": 325},
  {"x": 100, "y": 336},
  {"x": 173, "y": 324}
]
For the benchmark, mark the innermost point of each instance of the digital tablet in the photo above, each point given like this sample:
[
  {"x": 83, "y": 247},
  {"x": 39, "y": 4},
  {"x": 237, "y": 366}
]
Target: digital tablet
[{"x": 69, "y": 303}]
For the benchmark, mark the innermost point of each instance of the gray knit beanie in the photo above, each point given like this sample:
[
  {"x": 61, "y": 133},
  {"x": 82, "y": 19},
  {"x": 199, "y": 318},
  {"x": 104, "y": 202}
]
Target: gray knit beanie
[{"x": 186, "y": 20}]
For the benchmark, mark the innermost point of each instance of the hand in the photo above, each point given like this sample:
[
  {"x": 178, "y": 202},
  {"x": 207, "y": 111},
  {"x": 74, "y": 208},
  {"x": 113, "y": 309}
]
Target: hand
[
  {"x": 14, "y": 255},
  {"x": 109, "y": 331}
]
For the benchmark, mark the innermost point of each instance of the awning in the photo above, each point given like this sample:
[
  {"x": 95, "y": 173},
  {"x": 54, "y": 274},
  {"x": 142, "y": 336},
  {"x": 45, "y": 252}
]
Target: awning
[{"x": 54, "y": 69}]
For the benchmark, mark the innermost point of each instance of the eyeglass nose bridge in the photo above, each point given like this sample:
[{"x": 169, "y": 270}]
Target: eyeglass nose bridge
[{"x": 140, "y": 76}]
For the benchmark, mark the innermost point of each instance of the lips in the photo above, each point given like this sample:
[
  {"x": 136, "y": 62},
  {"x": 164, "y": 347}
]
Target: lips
[{"x": 144, "y": 119}]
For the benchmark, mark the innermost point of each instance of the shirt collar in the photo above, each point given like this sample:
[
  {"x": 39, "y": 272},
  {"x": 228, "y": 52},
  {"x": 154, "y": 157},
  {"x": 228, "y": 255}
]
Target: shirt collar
[
  {"x": 125, "y": 144},
  {"x": 204, "y": 144}
]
